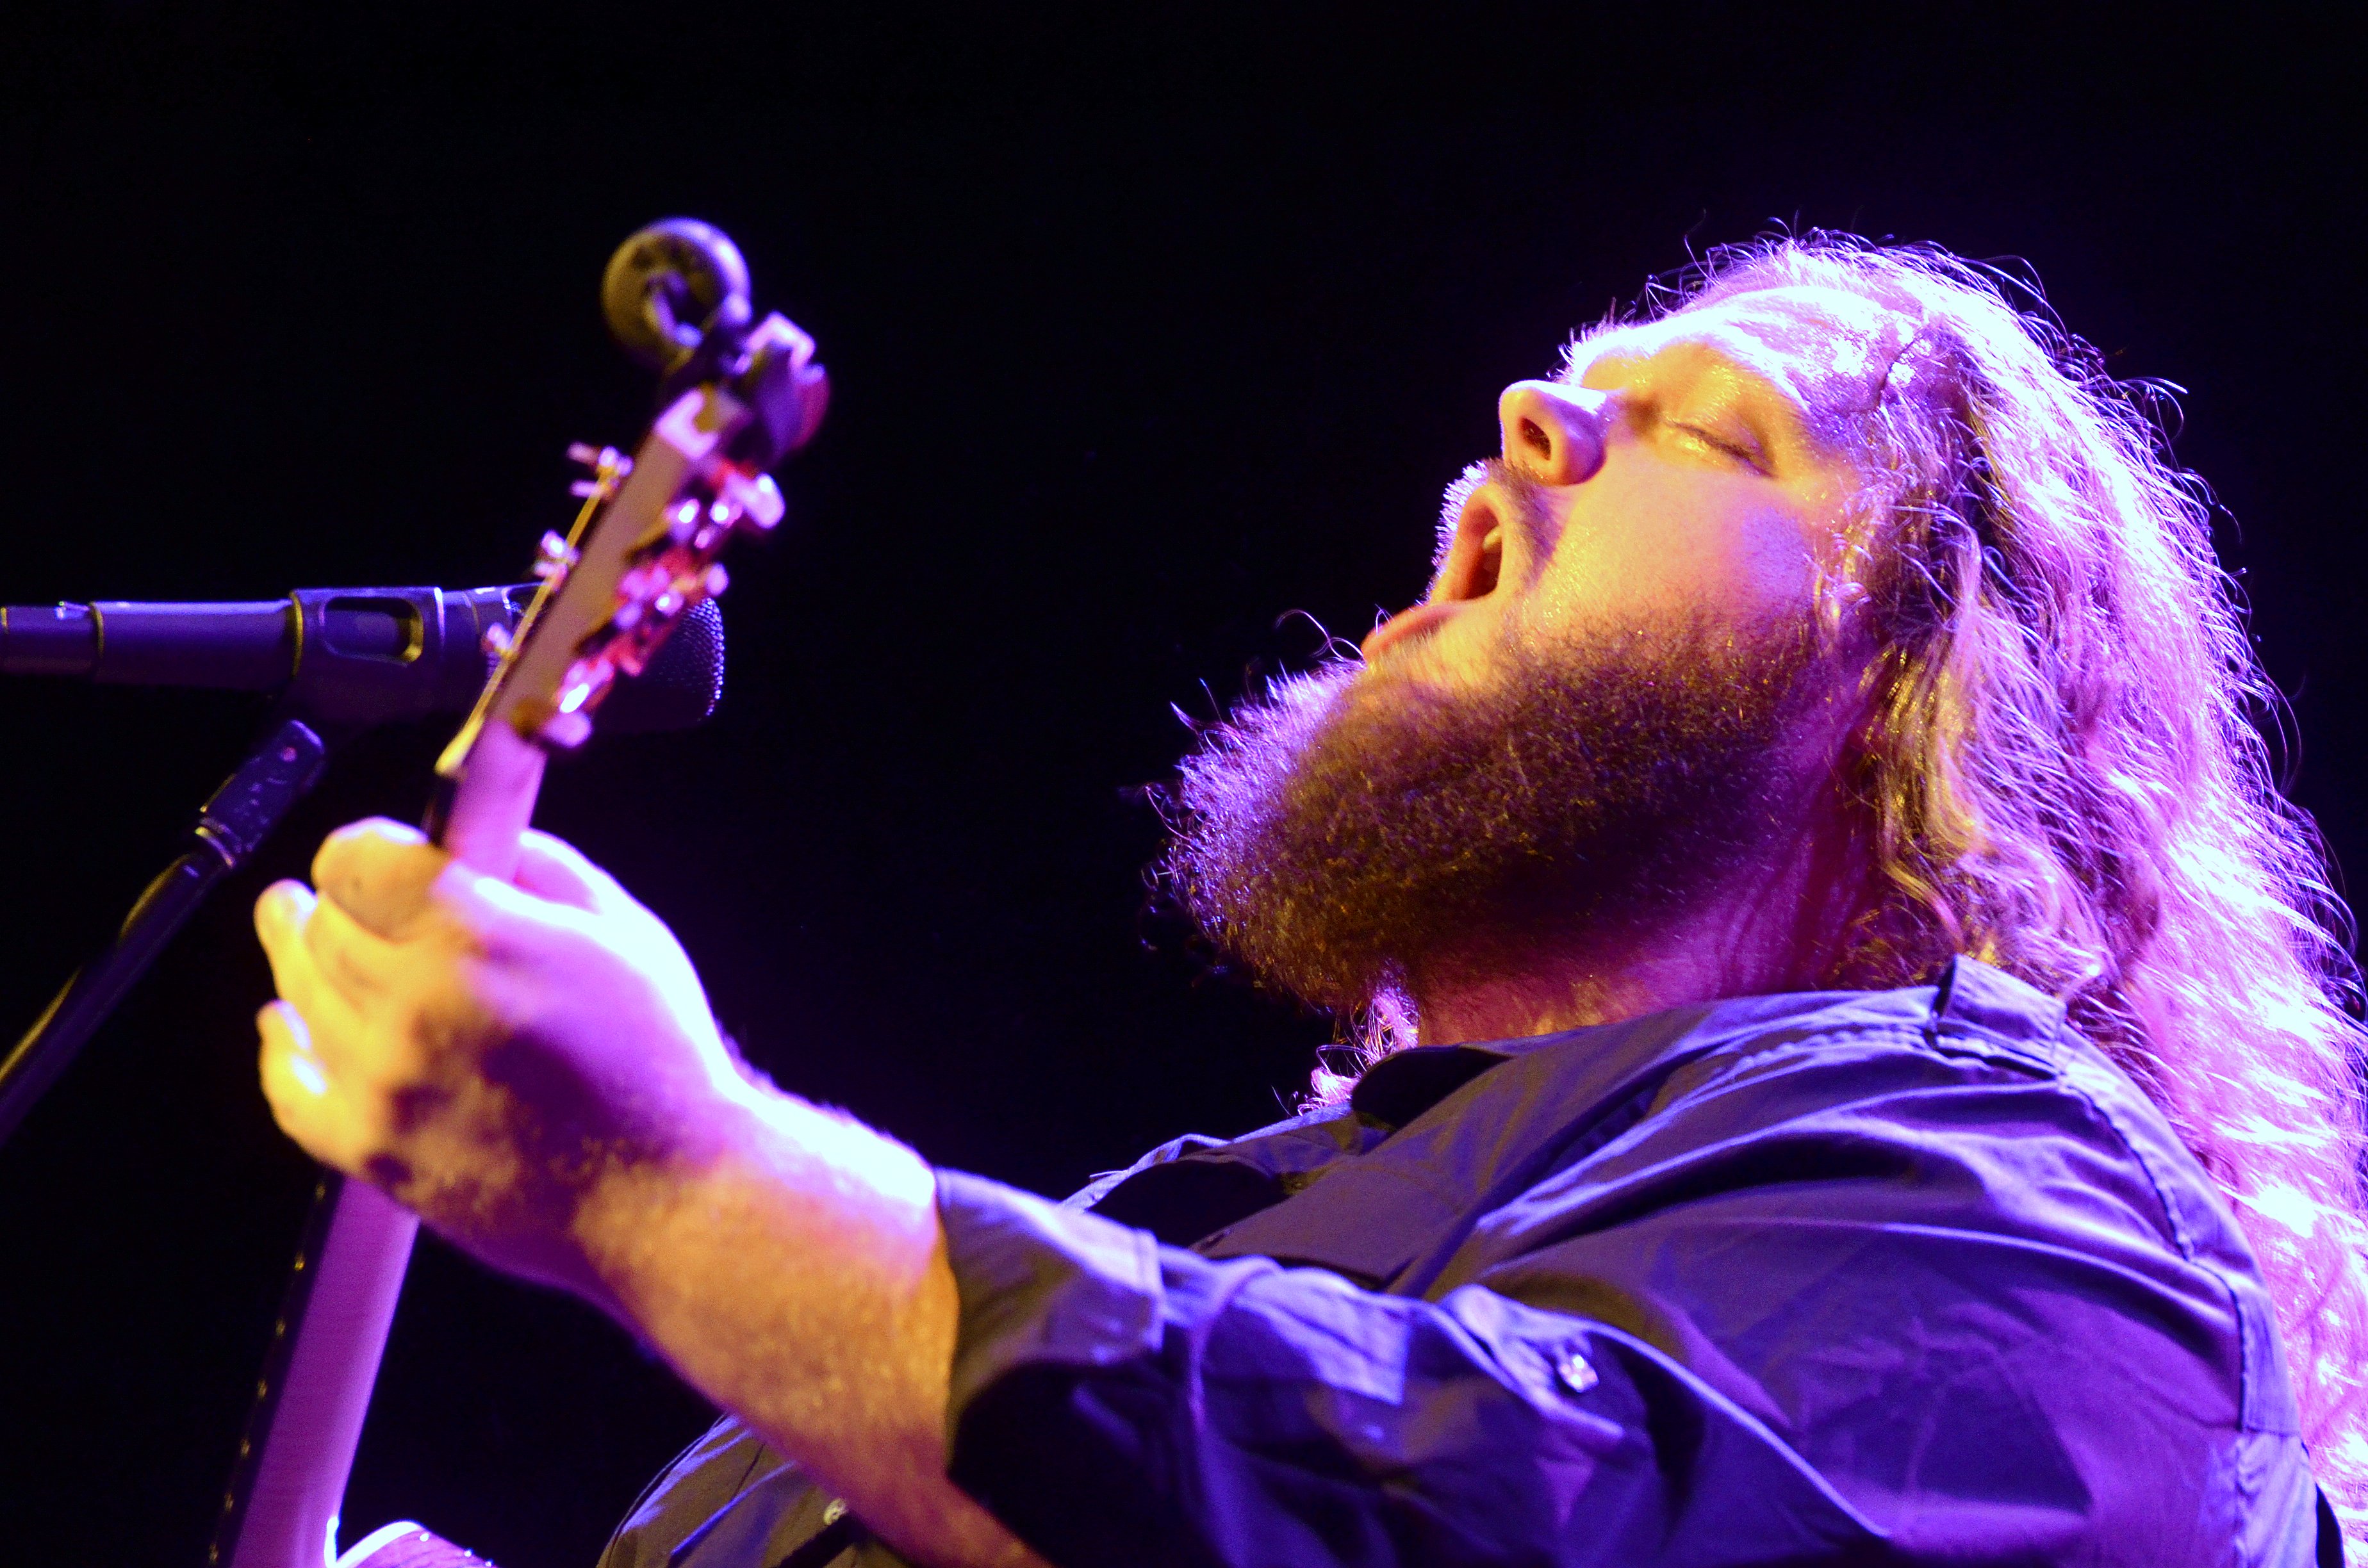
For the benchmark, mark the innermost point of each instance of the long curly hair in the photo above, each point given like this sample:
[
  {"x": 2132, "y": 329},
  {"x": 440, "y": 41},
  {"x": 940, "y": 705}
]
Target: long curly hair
[
  {"x": 2063, "y": 770},
  {"x": 2066, "y": 776}
]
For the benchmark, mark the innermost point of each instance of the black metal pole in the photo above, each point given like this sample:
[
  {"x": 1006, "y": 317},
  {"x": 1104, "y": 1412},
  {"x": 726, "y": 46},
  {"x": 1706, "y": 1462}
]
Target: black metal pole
[{"x": 241, "y": 814}]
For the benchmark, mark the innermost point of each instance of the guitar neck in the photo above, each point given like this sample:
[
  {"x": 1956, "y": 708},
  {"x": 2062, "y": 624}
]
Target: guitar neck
[
  {"x": 642, "y": 553},
  {"x": 480, "y": 812},
  {"x": 282, "y": 1509}
]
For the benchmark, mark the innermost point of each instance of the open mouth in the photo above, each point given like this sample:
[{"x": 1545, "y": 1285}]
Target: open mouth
[
  {"x": 1480, "y": 576},
  {"x": 1406, "y": 626},
  {"x": 1473, "y": 569}
]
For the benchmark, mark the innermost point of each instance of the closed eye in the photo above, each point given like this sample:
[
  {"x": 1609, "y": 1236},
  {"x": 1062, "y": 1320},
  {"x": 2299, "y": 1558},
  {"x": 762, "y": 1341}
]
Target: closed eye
[{"x": 1742, "y": 454}]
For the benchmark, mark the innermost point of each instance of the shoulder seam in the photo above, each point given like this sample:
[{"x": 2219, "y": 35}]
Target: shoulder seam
[{"x": 2248, "y": 1325}]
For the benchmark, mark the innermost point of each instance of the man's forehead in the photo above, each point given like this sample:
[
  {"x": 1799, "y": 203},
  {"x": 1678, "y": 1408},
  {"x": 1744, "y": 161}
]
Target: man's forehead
[{"x": 1825, "y": 348}]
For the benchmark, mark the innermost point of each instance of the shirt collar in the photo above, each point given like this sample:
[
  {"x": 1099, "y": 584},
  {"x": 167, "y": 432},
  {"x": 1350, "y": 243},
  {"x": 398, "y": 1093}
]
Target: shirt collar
[{"x": 1199, "y": 1194}]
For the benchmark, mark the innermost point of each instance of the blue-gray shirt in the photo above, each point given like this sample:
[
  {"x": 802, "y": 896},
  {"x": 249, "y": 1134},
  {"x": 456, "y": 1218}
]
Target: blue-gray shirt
[{"x": 1908, "y": 1277}]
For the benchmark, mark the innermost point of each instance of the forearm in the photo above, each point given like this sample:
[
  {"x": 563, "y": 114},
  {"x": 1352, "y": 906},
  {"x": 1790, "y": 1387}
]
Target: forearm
[
  {"x": 532, "y": 1065},
  {"x": 790, "y": 1265}
]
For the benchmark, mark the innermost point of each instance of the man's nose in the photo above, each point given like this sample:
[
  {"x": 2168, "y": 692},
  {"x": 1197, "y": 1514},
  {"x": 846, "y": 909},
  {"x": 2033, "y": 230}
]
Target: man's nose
[{"x": 1553, "y": 431}]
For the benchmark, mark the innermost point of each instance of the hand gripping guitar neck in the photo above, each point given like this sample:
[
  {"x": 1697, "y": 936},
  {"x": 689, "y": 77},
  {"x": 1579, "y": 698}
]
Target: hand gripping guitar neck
[{"x": 735, "y": 399}]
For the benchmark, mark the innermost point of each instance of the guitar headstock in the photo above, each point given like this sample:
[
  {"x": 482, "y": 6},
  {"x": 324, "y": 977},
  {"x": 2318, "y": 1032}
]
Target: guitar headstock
[{"x": 645, "y": 548}]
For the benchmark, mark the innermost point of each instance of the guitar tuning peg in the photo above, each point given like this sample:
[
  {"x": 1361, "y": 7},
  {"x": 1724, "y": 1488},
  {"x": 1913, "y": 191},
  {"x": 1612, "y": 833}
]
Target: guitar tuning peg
[
  {"x": 552, "y": 556},
  {"x": 496, "y": 641},
  {"x": 566, "y": 731},
  {"x": 608, "y": 465},
  {"x": 599, "y": 457},
  {"x": 716, "y": 580},
  {"x": 756, "y": 498}
]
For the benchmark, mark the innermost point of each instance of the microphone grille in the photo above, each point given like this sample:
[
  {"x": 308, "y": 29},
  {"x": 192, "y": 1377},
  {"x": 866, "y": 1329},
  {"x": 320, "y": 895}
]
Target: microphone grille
[{"x": 682, "y": 685}]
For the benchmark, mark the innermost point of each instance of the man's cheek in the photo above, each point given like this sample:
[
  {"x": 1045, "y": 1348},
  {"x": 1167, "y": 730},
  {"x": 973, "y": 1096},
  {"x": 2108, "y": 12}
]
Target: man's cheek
[
  {"x": 1619, "y": 584},
  {"x": 1774, "y": 539},
  {"x": 1628, "y": 574}
]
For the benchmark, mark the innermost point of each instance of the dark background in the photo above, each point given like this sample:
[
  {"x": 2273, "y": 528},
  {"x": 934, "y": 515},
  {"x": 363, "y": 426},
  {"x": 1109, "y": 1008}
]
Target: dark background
[{"x": 1144, "y": 332}]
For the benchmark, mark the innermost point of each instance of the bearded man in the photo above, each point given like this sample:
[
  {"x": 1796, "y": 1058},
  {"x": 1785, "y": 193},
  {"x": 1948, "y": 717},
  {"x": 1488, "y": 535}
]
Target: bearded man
[{"x": 1883, "y": 1093}]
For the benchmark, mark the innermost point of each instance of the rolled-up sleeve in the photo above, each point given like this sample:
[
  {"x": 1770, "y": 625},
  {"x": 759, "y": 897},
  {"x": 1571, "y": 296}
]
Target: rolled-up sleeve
[{"x": 1115, "y": 1401}]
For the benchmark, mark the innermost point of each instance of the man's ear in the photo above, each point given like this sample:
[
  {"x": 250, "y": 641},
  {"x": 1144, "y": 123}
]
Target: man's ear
[{"x": 1843, "y": 592}]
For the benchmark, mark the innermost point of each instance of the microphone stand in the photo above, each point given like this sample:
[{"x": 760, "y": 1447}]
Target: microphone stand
[
  {"x": 231, "y": 826},
  {"x": 355, "y": 1235},
  {"x": 349, "y": 657}
]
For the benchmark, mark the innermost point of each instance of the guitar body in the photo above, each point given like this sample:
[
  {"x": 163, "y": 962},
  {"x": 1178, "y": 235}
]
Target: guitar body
[
  {"x": 641, "y": 554},
  {"x": 407, "y": 1545}
]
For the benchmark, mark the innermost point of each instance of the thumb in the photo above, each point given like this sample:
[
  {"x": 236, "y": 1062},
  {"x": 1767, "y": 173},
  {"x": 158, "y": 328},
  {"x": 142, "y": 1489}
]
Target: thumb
[{"x": 555, "y": 869}]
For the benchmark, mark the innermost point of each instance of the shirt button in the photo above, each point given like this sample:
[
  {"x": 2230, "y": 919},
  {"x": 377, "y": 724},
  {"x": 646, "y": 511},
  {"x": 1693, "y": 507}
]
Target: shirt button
[
  {"x": 1575, "y": 1374},
  {"x": 833, "y": 1510}
]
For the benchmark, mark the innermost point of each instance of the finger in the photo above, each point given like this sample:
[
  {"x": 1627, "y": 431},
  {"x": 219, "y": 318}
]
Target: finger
[
  {"x": 505, "y": 923},
  {"x": 552, "y": 868},
  {"x": 362, "y": 965},
  {"x": 381, "y": 872},
  {"x": 281, "y": 917},
  {"x": 280, "y": 913},
  {"x": 302, "y": 1097}
]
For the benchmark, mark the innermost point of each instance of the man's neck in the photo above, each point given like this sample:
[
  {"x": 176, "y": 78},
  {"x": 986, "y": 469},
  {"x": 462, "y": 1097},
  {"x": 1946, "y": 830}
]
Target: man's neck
[{"x": 1776, "y": 921}]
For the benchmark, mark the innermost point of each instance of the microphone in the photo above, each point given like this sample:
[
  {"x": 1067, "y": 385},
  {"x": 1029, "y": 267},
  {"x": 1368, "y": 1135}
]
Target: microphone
[{"x": 345, "y": 656}]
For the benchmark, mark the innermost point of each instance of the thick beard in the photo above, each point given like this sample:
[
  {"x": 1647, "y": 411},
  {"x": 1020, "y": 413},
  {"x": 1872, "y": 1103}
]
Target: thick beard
[{"x": 1355, "y": 832}]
